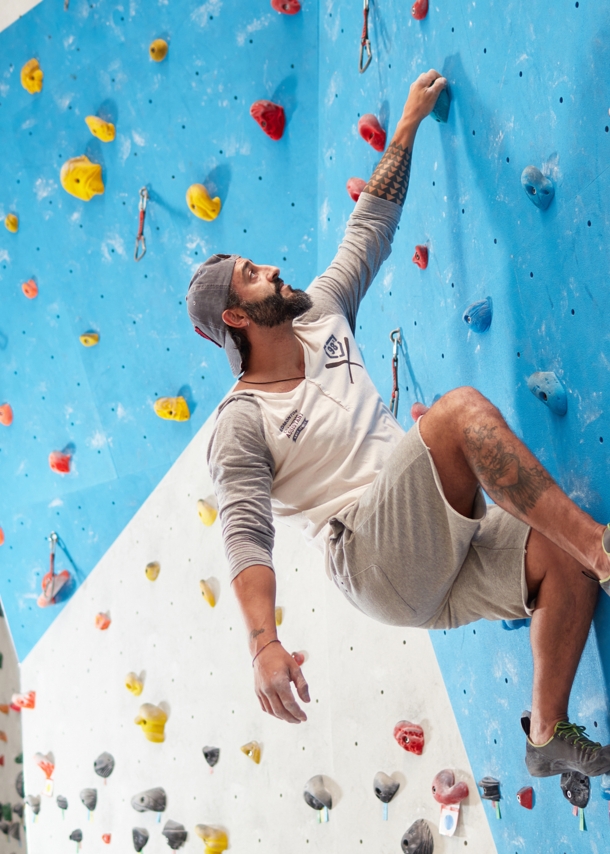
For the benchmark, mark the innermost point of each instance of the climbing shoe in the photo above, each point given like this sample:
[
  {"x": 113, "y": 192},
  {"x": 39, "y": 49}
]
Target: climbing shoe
[
  {"x": 569, "y": 749},
  {"x": 605, "y": 582}
]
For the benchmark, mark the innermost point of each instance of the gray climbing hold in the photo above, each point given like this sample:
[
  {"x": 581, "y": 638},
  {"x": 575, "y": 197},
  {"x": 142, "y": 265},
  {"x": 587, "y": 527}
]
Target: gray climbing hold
[
  {"x": 316, "y": 794},
  {"x": 441, "y": 108},
  {"x": 547, "y": 387},
  {"x": 18, "y": 810},
  {"x": 77, "y": 835},
  {"x": 212, "y": 755},
  {"x": 576, "y": 788},
  {"x": 61, "y": 802},
  {"x": 14, "y": 831},
  {"x": 418, "y": 839},
  {"x": 104, "y": 765},
  {"x": 491, "y": 789},
  {"x": 175, "y": 834},
  {"x": 33, "y": 801},
  {"x": 140, "y": 838},
  {"x": 89, "y": 798},
  {"x": 538, "y": 188},
  {"x": 478, "y": 315},
  {"x": 19, "y": 784},
  {"x": 4, "y": 827},
  {"x": 385, "y": 787},
  {"x": 151, "y": 800}
]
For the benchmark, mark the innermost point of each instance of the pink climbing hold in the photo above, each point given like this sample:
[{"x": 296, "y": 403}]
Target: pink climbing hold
[
  {"x": 445, "y": 790},
  {"x": 420, "y": 9},
  {"x": 59, "y": 462},
  {"x": 299, "y": 658},
  {"x": 6, "y": 414},
  {"x": 354, "y": 187},
  {"x": 371, "y": 131},
  {"x": 418, "y": 409},
  {"x": 286, "y": 7},
  {"x": 270, "y": 117},
  {"x": 421, "y": 257},
  {"x": 23, "y": 701},
  {"x": 410, "y": 737}
]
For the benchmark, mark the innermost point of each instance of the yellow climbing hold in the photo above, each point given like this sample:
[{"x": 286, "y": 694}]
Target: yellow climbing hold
[
  {"x": 207, "y": 510},
  {"x": 89, "y": 339},
  {"x": 279, "y": 616},
  {"x": 12, "y": 223},
  {"x": 31, "y": 76},
  {"x": 152, "y": 570},
  {"x": 214, "y": 838},
  {"x": 152, "y": 719},
  {"x": 253, "y": 750},
  {"x": 82, "y": 178},
  {"x": 172, "y": 408},
  {"x": 101, "y": 129},
  {"x": 158, "y": 50},
  {"x": 199, "y": 201},
  {"x": 207, "y": 593},
  {"x": 134, "y": 684}
]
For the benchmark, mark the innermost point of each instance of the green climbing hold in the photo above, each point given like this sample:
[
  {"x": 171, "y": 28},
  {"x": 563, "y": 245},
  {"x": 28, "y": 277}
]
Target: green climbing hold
[{"x": 19, "y": 759}]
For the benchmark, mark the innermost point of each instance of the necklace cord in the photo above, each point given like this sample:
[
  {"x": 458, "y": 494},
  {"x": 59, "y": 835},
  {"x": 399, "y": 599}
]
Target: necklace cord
[{"x": 270, "y": 382}]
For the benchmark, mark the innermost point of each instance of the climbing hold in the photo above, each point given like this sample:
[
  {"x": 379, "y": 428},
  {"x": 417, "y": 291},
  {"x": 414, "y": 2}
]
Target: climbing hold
[
  {"x": 478, "y": 315},
  {"x": 151, "y": 800},
  {"x": 279, "y": 616},
  {"x": 214, "y": 838},
  {"x": 18, "y": 810},
  {"x": 418, "y": 839},
  {"x": 152, "y": 570},
  {"x": 355, "y": 186},
  {"x": 420, "y": 257},
  {"x": 140, "y": 838},
  {"x": 576, "y": 788},
  {"x": 175, "y": 834},
  {"x": 33, "y": 801},
  {"x": 62, "y": 802},
  {"x": 547, "y": 387},
  {"x": 19, "y": 782},
  {"x": 208, "y": 510},
  {"x": 46, "y": 763},
  {"x": 102, "y": 621},
  {"x": 410, "y": 737},
  {"x": 445, "y": 790},
  {"x": 89, "y": 798},
  {"x": 172, "y": 408},
  {"x": 419, "y": 9},
  {"x": 3, "y": 735},
  {"x": 134, "y": 684},
  {"x": 30, "y": 289},
  {"x": 385, "y": 788},
  {"x": 76, "y": 836},
  {"x": 440, "y": 111},
  {"x": 371, "y": 131},
  {"x": 152, "y": 720},
  {"x": 511, "y": 625},
  {"x": 82, "y": 178},
  {"x": 201, "y": 203},
  {"x": 211, "y": 755},
  {"x": 106, "y": 837},
  {"x": 286, "y": 7},
  {"x": 207, "y": 593},
  {"x": 104, "y": 131},
  {"x": 539, "y": 189},
  {"x": 52, "y": 583},
  {"x": 316, "y": 794},
  {"x": 4, "y": 709},
  {"x": 491, "y": 789},
  {"x": 525, "y": 796},
  {"x": 14, "y": 830},
  {"x": 252, "y": 750},
  {"x": 104, "y": 765},
  {"x": 89, "y": 339},
  {"x": 32, "y": 76},
  {"x": 299, "y": 658},
  {"x": 60, "y": 462},
  {"x": 24, "y": 701},
  {"x": 11, "y": 223},
  {"x": 270, "y": 117},
  {"x": 1, "y": 544},
  {"x": 158, "y": 50},
  {"x": 7, "y": 812},
  {"x": 6, "y": 414}
]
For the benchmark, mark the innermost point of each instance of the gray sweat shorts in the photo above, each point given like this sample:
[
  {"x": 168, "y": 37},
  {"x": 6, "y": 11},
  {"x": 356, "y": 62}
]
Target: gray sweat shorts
[{"x": 402, "y": 555}]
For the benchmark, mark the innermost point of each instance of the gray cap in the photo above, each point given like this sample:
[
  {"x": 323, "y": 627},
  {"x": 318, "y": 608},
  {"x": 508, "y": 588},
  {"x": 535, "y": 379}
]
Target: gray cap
[{"x": 207, "y": 299}]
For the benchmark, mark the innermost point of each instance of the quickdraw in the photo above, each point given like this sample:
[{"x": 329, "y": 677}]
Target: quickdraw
[
  {"x": 396, "y": 341},
  {"x": 140, "y": 239},
  {"x": 365, "y": 44}
]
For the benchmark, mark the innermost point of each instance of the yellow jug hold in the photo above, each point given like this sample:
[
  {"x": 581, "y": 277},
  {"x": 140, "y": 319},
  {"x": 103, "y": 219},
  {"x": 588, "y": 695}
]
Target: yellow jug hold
[
  {"x": 152, "y": 721},
  {"x": 215, "y": 839},
  {"x": 82, "y": 178},
  {"x": 134, "y": 684},
  {"x": 252, "y": 750},
  {"x": 11, "y": 223},
  {"x": 158, "y": 50},
  {"x": 89, "y": 339},
  {"x": 152, "y": 570},
  {"x": 207, "y": 593},
  {"x": 199, "y": 202},
  {"x": 172, "y": 408},
  {"x": 207, "y": 510},
  {"x": 32, "y": 76},
  {"x": 102, "y": 130}
]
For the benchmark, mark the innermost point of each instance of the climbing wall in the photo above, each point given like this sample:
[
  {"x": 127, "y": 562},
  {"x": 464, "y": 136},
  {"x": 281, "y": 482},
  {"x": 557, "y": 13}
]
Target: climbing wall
[{"x": 12, "y": 835}]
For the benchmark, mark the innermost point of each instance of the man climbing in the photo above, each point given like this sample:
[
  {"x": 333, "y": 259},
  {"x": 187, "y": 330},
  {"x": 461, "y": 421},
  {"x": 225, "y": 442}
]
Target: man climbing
[{"x": 401, "y": 518}]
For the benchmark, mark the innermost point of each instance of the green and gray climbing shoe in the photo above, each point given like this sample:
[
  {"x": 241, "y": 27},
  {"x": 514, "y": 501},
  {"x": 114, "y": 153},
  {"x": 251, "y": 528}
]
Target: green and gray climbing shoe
[
  {"x": 569, "y": 749},
  {"x": 605, "y": 582}
]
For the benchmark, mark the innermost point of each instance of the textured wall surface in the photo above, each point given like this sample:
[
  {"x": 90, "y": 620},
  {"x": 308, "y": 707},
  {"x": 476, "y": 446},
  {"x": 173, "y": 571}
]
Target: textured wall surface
[{"x": 11, "y": 746}]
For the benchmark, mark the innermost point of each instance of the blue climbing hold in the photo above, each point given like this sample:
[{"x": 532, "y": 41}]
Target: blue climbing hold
[
  {"x": 441, "y": 108},
  {"x": 540, "y": 189},
  {"x": 547, "y": 387},
  {"x": 478, "y": 315},
  {"x": 510, "y": 625}
]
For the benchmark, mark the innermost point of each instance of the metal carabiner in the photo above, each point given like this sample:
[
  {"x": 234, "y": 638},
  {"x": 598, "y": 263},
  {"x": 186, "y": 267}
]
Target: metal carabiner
[
  {"x": 52, "y": 542},
  {"x": 396, "y": 341},
  {"x": 365, "y": 44},
  {"x": 140, "y": 239}
]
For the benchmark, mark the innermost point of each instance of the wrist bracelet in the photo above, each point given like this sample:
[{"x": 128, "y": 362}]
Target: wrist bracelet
[{"x": 275, "y": 640}]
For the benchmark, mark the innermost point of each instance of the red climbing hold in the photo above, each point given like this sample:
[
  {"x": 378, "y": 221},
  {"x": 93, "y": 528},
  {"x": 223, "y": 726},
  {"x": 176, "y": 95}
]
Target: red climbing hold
[
  {"x": 421, "y": 257},
  {"x": 354, "y": 187},
  {"x": 286, "y": 7},
  {"x": 6, "y": 414},
  {"x": 52, "y": 583},
  {"x": 445, "y": 790},
  {"x": 270, "y": 117},
  {"x": 59, "y": 462},
  {"x": 2, "y": 760},
  {"x": 299, "y": 658},
  {"x": 371, "y": 131},
  {"x": 106, "y": 837},
  {"x": 525, "y": 796},
  {"x": 409, "y": 736},
  {"x": 30, "y": 289},
  {"x": 420, "y": 9},
  {"x": 1, "y": 537}
]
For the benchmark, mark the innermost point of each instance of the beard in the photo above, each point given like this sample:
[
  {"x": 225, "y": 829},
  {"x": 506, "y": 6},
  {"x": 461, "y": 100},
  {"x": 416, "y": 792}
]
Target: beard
[{"x": 277, "y": 309}]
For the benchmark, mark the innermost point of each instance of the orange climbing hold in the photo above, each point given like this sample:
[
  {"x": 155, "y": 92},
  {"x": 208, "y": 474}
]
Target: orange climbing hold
[
  {"x": 4, "y": 708},
  {"x": 60, "y": 462},
  {"x": 3, "y": 736},
  {"x": 102, "y": 621},
  {"x": 286, "y": 7},
  {"x": 421, "y": 257},
  {"x": 46, "y": 763},
  {"x": 24, "y": 701},
  {"x": 355, "y": 186},
  {"x": 106, "y": 837},
  {"x": 420, "y": 9},
  {"x": 371, "y": 131},
  {"x": 30, "y": 289},
  {"x": 158, "y": 50},
  {"x": 6, "y": 414},
  {"x": 52, "y": 583},
  {"x": 1, "y": 544},
  {"x": 270, "y": 117}
]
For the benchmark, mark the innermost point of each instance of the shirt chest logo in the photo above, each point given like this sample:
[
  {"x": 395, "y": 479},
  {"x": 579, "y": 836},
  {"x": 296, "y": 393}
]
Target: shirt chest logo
[
  {"x": 336, "y": 350},
  {"x": 294, "y": 424}
]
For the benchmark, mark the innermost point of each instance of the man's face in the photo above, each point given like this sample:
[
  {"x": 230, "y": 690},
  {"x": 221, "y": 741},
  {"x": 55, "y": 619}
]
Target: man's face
[{"x": 264, "y": 297}]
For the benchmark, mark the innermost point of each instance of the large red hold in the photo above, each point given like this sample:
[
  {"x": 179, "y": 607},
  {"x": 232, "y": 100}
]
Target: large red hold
[
  {"x": 525, "y": 796},
  {"x": 354, "y": 187},
  {"x": 445, "y": 790},
  {"x": 286, "y": 7},
  {"x": 420, "y": 9},
  {"x": 59, "y": 462},
  {"x": 270, "y": 117},
  {"x": 420, "y": 257},
  {"x": 6, "y": 414},
  {"x": 410, "y": 737},
  {"x": 371, "y": 131}
]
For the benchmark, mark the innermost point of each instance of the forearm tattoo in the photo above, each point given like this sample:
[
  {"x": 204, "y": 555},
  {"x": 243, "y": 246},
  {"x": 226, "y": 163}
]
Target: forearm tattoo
[
  {"x": 502, "y": 474},
  {"x": 390, "y": 179},
  {"x": 255, "y": 633}
]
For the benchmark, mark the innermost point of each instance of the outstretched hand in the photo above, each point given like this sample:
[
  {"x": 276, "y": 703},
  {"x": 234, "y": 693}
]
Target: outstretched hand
[
  {"x": 274, "y": 670},
  {"x": 423, "y": 95}
]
